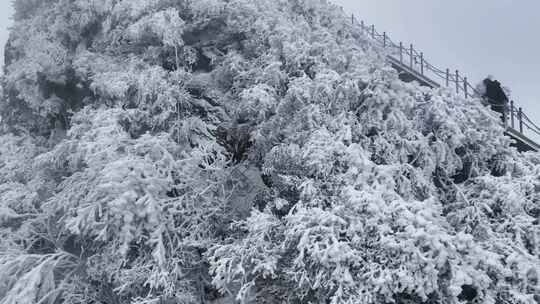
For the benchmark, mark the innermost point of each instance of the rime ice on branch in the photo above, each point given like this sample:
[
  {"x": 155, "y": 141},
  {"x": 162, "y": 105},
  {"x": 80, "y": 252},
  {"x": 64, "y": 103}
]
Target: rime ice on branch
[{"x": 212, "y": 151}]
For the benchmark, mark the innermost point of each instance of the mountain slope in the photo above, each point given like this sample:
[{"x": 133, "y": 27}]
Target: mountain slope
[{"x": 201, "y": 151}]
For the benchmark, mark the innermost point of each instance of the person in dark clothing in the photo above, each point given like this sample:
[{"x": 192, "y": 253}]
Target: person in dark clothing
[{"x": 496, "y": 97}]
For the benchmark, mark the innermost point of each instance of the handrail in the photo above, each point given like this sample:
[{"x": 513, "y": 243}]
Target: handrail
[{"x": 414, "y": 60}]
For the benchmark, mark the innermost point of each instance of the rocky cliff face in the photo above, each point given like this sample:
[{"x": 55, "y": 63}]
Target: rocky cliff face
[{"x": 198, "y": 151}]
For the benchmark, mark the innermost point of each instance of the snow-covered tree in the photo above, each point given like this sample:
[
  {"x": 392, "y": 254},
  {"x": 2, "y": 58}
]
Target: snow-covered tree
[{"x": 213, "y": 151}]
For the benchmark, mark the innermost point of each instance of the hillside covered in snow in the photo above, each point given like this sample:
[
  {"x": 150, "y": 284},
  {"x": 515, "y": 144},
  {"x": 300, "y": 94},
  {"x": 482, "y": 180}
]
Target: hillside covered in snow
[{"x": 250, "y": 151}]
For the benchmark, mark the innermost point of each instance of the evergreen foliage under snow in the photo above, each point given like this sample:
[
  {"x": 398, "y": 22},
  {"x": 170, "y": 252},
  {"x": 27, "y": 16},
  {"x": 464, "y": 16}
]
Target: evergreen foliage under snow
[{"x": 214, "y": 151}]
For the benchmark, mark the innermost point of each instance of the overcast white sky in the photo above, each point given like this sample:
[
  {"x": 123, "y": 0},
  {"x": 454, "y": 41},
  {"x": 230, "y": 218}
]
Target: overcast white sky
[{"x": 478, "y": 37}]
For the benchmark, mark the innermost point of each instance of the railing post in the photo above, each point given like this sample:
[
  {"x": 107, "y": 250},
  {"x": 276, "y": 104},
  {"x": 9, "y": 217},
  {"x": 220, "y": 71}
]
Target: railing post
[
  {"x": 362, "y": 25},
  {"x": 411, "y": 54},
  {"x": 373, "y": 31},
  {"x": 422, "y": 63},
  {"x": 352, "y": 19},
  {"x": 384, "y": 39},
  {"x": 447, "y": 78},
  {"x": 465, "y": 87},
  {"x": 401, "y": 52},
  {"x": 520, "y": 118},
  {"x": 457, "y": 81},
  {"x": 512, "y": 113}
]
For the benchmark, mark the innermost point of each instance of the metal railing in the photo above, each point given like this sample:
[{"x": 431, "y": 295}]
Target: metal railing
[{"x": 414, "y": 61}]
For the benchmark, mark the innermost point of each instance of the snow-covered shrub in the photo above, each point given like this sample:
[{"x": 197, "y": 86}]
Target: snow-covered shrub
[{"x": 188, "y": 151}]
